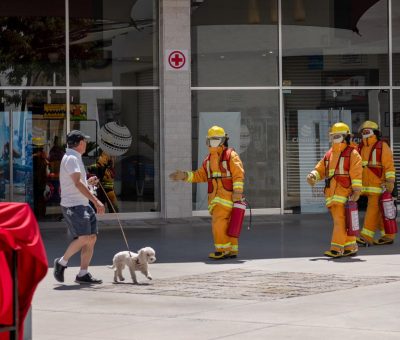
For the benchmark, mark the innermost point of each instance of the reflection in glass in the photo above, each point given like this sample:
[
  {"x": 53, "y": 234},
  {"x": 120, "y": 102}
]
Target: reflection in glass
[
  {"x": 308, "y": 116},
  {"x": 396, "y": 42},
  {"x": 32, "y": 43},
  {"x": 234, "y": 43},
  {"x": 251, "y": 118},
  {"x": 123, "y": 149},
  {"x": 335, "y": 43},
  {"x": 114, "y": 45},
  {"x": 396, "y": 132},
  {"x": 38, "y": 140}
]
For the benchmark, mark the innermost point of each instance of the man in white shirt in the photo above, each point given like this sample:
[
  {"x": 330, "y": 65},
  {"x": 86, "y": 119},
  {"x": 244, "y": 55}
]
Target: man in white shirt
[{"x": 78, "y": 214}]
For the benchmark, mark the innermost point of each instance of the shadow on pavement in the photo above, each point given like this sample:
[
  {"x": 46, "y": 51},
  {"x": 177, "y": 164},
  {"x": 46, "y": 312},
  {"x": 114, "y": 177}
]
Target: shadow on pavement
[
  {"x": 341, "y": 259},
  {"x": 71, "y": 287}
]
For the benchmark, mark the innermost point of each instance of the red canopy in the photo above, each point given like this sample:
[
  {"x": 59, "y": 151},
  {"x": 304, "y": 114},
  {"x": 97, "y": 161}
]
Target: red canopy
[{"x": 19, "y": 230}]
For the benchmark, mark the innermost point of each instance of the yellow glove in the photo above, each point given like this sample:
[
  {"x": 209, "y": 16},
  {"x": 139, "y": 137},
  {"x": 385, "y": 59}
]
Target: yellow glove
[
  {"x": 237, "y": 196},
  {"x": 389, "y": 186},
  {"x": 178, "y": 175},
  {"x": 311, "y": 179},
  {"x": 355, "y": 195}
]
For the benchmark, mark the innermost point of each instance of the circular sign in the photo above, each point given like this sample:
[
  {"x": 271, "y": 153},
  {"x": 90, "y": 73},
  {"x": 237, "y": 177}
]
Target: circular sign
[{"x": 176, "y": 59}]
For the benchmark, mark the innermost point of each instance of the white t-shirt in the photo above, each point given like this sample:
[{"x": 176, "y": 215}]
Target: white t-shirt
[{"x": 70, "y": 195}]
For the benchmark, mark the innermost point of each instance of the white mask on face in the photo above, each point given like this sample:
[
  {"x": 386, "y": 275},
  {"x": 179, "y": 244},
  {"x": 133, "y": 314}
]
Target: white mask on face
[
  {"x": 367, "y": 133},
  {"x": 215, "y": 142},
  {"x": 337, "y": 140}
]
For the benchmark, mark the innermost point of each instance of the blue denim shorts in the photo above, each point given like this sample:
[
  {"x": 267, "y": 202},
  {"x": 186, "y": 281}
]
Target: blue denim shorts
[{"x": 81, "y": 220}]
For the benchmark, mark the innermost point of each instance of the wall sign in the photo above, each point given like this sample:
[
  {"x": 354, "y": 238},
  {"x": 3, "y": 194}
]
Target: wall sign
[{"x": 176, "y": 60}]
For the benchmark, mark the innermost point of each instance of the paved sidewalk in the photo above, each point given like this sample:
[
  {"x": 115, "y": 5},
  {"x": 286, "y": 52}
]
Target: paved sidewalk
[{"x": 279, "y": 288}]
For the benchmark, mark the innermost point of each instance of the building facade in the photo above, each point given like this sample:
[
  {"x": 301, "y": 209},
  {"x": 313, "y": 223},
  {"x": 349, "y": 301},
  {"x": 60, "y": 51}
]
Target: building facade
[{"x": 146, "y": 78}]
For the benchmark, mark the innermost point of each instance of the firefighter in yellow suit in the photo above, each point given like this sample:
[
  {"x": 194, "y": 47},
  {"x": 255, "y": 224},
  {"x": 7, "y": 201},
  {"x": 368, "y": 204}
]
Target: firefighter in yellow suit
[
  {"x": 225, "y": 179},
  {"x": 378, "y": 172},
  {"x": 341, "y": 168}
]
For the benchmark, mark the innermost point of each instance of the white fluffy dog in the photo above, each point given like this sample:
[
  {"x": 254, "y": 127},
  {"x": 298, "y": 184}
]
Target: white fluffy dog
[{"x": 135, "y": 262}]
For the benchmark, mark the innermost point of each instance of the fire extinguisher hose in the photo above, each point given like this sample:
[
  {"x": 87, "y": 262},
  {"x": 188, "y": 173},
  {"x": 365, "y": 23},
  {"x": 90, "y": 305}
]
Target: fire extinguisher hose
[{"x": 248, "y": 205}]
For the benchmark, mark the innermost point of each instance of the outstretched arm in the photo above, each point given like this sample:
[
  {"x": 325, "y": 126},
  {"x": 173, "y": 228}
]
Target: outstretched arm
[
  {"x": 196, "y": 176},
  {"x": 178, "y": 175}
]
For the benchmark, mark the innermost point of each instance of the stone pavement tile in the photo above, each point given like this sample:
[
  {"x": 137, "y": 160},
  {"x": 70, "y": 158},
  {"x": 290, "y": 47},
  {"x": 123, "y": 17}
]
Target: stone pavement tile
[
  {"x": 74, "y": 323},
  {"x": 289, "y": 332},
  {"x": 177, "y": 329},
  {"x": 246, "y": 284},
  {"x": 378, "y": 318},
  {"x": 278, "y": 311},
  {"x": 302, "y": 310},
  {"x": 152, "y": 305},
  {"x": 363, "y": 297},
  {"x": 50, "y": 337},
  {"x": 199, "y": 297}
]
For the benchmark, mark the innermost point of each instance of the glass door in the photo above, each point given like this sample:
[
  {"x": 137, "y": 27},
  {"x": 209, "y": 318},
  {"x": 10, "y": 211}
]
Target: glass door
[{"x": 308, "y": 117}]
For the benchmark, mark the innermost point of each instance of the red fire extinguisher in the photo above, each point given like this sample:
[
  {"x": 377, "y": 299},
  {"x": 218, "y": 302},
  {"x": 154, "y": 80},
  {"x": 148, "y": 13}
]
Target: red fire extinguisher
[
  {"x": 237, "y": 217},
  {"x": 352, "y": 221},
  {"x": 389, "y": 212}
]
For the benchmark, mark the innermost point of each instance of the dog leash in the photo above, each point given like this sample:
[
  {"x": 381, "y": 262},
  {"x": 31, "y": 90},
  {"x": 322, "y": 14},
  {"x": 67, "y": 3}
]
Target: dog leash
[{"x": 117, "y": 216}]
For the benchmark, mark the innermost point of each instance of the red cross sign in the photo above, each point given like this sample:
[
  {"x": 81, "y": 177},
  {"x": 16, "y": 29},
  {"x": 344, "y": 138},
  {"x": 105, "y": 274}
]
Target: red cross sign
[{"x": 176, "y": 60}]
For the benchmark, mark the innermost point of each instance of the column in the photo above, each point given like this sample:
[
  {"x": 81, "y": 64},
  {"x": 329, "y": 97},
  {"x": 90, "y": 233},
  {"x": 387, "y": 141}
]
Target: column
[{"x": 176, "y": 131}]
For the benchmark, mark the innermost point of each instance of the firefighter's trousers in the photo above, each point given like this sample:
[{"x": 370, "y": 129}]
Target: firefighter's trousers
[
  {"x": 373, "y": 220},
  {"x": 340, "y": 240},
  {"x": 220, "y": 222}
]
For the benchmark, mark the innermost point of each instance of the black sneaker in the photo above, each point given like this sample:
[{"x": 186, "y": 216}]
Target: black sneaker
[
  {"x": 87, "y": 278},
  {"x": 58, "y": 271}
]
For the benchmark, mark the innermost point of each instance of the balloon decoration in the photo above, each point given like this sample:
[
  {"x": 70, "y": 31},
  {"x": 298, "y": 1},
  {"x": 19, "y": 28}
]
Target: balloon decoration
[{"x": 115, "y": 139}]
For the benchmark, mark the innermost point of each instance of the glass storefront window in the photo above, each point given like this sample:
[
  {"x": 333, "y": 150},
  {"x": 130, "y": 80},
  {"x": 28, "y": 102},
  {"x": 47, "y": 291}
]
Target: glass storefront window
[
  {"x": 396, "y": 133},
  {"x": 308, "y": 116},
  {"x": 32, "y": 43},
  {"x": 234, "y": 43},
  {"x": 114, "y": 44},
  {"x": 335, "y": 43},
  {"x": 251, "y": 118},
  {"x": 396, "y": 42},
  {"x": 123, "y": 150},
  {"x": 38, "y": 121}
]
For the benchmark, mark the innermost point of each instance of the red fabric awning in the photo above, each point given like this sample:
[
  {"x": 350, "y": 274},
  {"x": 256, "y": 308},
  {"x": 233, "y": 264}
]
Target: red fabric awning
[{"x": 19, "y": 230}]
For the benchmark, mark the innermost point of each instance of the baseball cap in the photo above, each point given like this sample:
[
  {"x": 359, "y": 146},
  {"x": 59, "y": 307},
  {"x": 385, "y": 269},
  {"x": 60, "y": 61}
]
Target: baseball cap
[{"x": 75, "y": 136}]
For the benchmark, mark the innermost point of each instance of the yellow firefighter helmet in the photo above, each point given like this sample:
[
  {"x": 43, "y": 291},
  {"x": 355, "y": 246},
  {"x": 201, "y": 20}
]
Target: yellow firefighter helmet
[
  {"x": 38, "y": 141},
  {"x": 216, "y": 131},
  {"x": 339, "y": 128},
  {"x": 369, "y": 124}
]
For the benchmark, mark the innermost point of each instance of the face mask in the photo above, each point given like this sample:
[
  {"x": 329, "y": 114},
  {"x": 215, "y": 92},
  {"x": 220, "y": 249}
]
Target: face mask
[
  {"x": 366, "y": 133},
  {"x": 337, "y": 140},
  {"x": 215, "y": 142}
]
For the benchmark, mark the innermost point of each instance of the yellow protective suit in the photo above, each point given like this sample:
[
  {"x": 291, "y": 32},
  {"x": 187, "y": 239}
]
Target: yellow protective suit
[
  {"x": 372, "y": 188},
  {"x": 220, "y": 200},
  {"x": 104, "y": 170},
  {"x": 337, "y": 195}
]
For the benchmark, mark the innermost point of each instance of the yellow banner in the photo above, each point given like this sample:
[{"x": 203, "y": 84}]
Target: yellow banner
[
  {"x": 58, "y": 111},
  {"x": 54, "y": 111}
]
